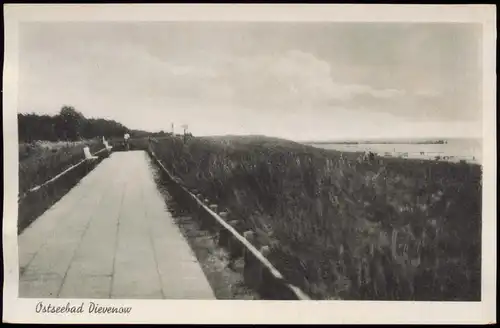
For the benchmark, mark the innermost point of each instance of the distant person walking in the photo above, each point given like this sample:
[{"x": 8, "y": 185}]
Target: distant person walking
[{"x": 127, "y": 137}]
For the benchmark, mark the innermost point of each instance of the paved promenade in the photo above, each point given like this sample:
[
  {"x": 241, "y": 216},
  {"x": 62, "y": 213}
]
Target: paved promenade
[{"x": 110, "y": 237}]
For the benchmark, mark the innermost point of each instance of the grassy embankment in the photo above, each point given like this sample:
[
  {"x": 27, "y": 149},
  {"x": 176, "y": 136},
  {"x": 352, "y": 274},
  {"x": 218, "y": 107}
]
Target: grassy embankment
[
  {"x": 340, "y": 227},
  {"x": 41, "y": 161}
]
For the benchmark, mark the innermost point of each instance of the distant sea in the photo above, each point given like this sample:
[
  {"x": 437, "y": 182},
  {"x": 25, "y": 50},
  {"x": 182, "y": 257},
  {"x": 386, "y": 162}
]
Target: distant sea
[{"x": 468, "y": 149}]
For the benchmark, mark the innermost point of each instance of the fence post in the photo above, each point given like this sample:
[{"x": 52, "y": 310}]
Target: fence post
[
  {"x": 224, "y": 234},
  {"x": 234, "y": 246},
  {"x": 250, "y": 274},
  {"x": 252, "y": 270},
  {"x": 250, "y": 236},
  {"x": 208, "y": 221}
]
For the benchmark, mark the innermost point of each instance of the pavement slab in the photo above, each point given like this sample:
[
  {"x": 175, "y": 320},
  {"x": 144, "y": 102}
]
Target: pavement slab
[{"x": 111, "y": 236}]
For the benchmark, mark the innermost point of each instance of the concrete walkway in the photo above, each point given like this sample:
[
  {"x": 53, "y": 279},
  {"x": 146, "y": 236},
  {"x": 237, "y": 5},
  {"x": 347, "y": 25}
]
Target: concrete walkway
[{"x": 110, "y": 237}]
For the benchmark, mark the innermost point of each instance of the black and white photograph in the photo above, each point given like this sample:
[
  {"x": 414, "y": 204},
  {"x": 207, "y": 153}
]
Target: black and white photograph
[{"x": 209, "y": 160}]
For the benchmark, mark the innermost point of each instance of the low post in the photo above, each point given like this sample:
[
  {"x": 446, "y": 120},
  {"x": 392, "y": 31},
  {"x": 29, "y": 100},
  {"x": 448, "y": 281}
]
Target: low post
[
  {"x": 107, "y": 146},
  {"x": 208, "y": 221},
  {"x": 252, "y": 270},
  {"x": 250, "y": 236},
  {"x": 234, "y": 224},
  {"x": 234, "y": 246},
  {"x": 268, "y": 286},
  {"x": 87, "y": 154},
  {"x": 199, "y": 197},
  {"x": 223, "y": 234},
  {"x": 250, "y": 274},
  {"x": 271, "y": 287}
]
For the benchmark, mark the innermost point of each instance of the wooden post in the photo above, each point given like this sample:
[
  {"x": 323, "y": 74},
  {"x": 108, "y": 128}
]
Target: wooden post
[
  {"x": 234, "y": 224},
  {"x": 250, "y": 274},
  {"x": 223, "y": 233},
  {"x": 270, "y": 287},
  {"x": 235, "y": 248},
  {"x": 250, "y": 236},
  {"x": 253, "y": 269},
  {"x": 87, "y": 154},
  {"x": 203, "y": 216},
  {"x": 208, "y": 221}
]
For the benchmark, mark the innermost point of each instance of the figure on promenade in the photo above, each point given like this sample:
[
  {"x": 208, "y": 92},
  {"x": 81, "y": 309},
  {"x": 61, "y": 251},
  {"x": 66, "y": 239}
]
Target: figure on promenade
[{"x": 126, "y": 137}]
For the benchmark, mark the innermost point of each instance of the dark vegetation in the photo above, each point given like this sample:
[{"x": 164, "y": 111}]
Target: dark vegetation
[
  {"x": 49, "y": 145},
  {"x": 342, "y": 226},
  {"x": 68, "y": 125}
]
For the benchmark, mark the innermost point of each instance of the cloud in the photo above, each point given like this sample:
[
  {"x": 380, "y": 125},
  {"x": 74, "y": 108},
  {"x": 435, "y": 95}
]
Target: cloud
[
  {"x": 349, "y": 79},
  {"x": 290, "y": 80},
  {"x": 124, "y": 78}
]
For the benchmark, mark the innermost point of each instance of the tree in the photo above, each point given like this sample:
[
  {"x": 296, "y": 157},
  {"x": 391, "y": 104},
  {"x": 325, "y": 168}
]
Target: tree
[{"x": 69, "y": 123}]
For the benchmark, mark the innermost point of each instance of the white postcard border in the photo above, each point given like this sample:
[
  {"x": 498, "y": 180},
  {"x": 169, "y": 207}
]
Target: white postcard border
[{"x": 16, "y": 310}]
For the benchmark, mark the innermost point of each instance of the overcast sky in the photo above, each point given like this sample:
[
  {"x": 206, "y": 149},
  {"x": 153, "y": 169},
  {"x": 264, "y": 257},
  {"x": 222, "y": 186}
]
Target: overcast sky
[{"x": 300, "y": 81}]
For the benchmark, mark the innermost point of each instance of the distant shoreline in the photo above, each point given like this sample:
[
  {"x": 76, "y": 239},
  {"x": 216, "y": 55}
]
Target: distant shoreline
[
  {"x": 376, "y": 142},
  {"x": 451, "y": 150},
  {"x": 427, "y": 141}
]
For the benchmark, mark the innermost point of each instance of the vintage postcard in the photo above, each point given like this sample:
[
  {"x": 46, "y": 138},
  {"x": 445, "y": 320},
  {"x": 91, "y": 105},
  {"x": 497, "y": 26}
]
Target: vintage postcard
[{"x": 249, "y": 164}]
